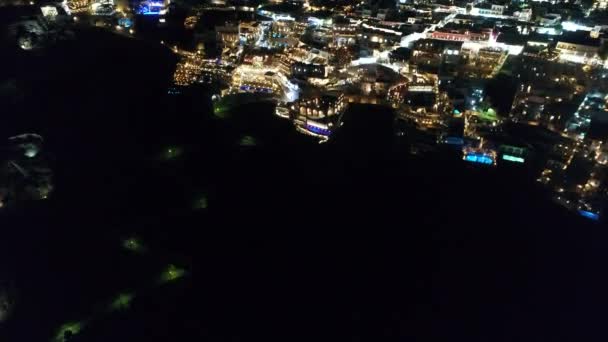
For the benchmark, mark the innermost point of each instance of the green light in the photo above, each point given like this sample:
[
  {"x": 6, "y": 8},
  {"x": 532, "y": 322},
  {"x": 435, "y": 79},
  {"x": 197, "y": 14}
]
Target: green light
[
  {"x": 248, "y": 141},
  {"x": 70, "y": 328},
  {"x": 513, "y": 158},
  {"x": 220, "y": 111},
  {"x": 489, "y": 114},
  {"x": 172, "y": 273},
  {"x": 133, "y": 244},
  {"x": 201, "y": 203},
  {"x": 171, "y": 153},
  {"x": 122, "y": 301}
]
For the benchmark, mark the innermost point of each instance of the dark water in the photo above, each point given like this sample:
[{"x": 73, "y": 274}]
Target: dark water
[{"x": 349, "y": 240}]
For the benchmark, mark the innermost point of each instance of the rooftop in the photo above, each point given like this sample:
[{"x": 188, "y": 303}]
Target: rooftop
[
  {"x": 579, "y": 38},
  {"x": 514, "y": 38},
  {"x": 476, "y": 28},
  {"x": 435, "y": 44}
]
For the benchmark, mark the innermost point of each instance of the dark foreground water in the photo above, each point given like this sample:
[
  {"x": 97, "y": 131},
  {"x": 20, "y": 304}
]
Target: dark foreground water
[{"x": 278, "y": 238}]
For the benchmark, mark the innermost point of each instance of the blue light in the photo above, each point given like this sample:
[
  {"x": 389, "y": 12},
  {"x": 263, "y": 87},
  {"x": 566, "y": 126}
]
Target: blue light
[
  {"x": 151, "y": 8},
  {"x": 318, "y": 130},
  {"x": 589, "y": 215},
  {"x": 479, "y": 158},
  {"x": 145, "y": 10},
  {"x": 125, "y": 22}
]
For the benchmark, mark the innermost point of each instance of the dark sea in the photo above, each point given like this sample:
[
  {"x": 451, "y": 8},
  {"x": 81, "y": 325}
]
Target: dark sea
[{"x": 279, "y": 238}]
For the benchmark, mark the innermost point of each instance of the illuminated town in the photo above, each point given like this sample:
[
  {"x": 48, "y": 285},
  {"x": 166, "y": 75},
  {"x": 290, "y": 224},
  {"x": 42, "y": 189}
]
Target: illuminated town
[
  {"x": 431, "y": 62},
  {"x": 506, "y": 88}
]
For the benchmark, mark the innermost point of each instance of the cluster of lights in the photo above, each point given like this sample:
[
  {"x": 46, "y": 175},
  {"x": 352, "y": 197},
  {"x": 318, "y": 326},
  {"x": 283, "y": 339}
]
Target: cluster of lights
[
  {"x": 78, "y": 6},
  {"x": 190, "y": 22},
  {"x": 188, "y": 70},
  {"x": 152, "y": 8},
  {"x": 485, "y": 58},
  {"x": 248, "y": 78}
]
